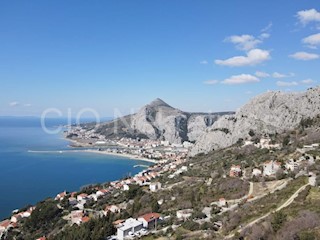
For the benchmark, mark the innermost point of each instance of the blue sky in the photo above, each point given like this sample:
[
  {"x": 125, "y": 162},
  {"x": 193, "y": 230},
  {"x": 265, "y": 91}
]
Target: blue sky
[{"x": 195, "y": 55}]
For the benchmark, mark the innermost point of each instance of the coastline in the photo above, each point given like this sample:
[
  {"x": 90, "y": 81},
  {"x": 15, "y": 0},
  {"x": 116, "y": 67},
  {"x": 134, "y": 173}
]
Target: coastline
[{"x": 126, "y": 155}]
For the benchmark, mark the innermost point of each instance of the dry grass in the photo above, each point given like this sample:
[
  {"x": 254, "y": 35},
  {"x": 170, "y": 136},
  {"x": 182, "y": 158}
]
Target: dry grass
[{"x": 259, "y": 190}]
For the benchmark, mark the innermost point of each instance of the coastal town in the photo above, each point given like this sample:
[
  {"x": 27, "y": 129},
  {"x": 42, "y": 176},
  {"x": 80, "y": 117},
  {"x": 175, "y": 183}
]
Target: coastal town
[
  {"x": 144, "y": 149},
  {"x": 171, "y": 168}
]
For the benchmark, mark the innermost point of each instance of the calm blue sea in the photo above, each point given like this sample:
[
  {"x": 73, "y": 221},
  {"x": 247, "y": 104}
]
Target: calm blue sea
[{"x": 26, "y": 177}]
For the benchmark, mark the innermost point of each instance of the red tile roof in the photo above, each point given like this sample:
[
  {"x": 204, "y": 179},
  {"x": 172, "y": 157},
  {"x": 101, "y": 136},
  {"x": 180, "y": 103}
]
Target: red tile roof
[
  {"x": 5, "y": 223},
  {"x": 42, "y": 238},
  {"x": 150, "y": 216},
  {"x": 118, "y": 222},
  {"x": 85, "y": 219}
]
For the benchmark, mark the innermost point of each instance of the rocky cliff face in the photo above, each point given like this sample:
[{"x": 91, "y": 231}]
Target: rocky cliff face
[
  {"x": 158, "y": 120},
  {"x": 268, "y": 113}
]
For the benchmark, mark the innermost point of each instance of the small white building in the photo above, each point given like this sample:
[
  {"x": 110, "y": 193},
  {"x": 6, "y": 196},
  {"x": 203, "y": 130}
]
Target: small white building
[
  {"x": 312, "y": 179},
  {"x": 126, "y": 187},
  {"x": 93, "y": 196},
  {"x": 248, "y": 143},
  {"x": 271, "y": 167},
  {"x": 76, "y": 217},
  {"x": 129, "y": 227},
  {"x": 100, "y": 143},
  {"x": 26, "y": 214},
  {"x": 155, "y": 186},
  {"x": 222, "y": 202},
  {"x": 102, "y": 192},
  {"x": 60, "y": 196},
  {"x": 256, "y": 172},
  {"x": 187, "y": 144},
  {"x": 184, "y": 214},
  {"x": 112, "y": 208},
  {"x": 291, "y": 165},
  {"x": 16, "y": 218},
  {"x": 82, "y": 197}
]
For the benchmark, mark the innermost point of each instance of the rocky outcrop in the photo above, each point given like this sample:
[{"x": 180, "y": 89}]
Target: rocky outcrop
[
  {"x": 268, "y": 113},
  {"x": 158, "y": 120}
]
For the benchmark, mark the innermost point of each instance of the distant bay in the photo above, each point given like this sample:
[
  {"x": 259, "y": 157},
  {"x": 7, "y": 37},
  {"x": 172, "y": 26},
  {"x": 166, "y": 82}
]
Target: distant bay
[{"x": 28, "y": 177}]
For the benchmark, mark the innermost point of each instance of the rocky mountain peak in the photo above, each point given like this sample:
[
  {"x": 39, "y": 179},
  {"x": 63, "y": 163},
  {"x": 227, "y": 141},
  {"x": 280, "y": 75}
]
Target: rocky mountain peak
[{"x": 158, "y": 103}]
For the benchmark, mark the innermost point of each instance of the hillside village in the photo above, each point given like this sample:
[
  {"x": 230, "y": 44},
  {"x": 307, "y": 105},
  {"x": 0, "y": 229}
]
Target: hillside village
[{"x": 178, "y": 196}]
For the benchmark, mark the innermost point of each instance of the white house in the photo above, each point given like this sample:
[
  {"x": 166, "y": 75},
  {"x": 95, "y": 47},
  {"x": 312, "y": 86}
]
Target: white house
[
  {"x": 93, "y": 196},
  {"x": 76, "y": 216},
  {"x": 126, "y": 187},
  {"x": 26, "y": 214},
  {"x": 291, "y": 165},
  {"x": 184, "y": 214},
  {"x": 187, "y": 144},
  {"x": 312, "y": 179},
  {"x": 82, "y": 196},
  {"x": 16, "y": 218},
  {"x": 112, "y": 208},
  {"x": 222, "y": 202},
  {"x": 61, "y": 196},
  {"x": 256, "y": 172},
  {"x": 101, "y": 192},
  {"x": 130, "y": 226},
  {"x": 149, "y": 220},
  {"x": 248, "y": 143},
  {"x": 271, "y": 167},
  {"x": 155, "y": 186}
]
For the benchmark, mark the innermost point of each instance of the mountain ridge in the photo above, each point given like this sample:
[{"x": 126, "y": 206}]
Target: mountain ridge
[
  {"x": 158, "y": 120},
  {"x": 268, "y": 113}
]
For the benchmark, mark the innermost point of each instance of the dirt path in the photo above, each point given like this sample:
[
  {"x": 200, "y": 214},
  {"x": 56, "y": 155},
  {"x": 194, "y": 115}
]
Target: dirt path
[{"x": 286, "y": 204}]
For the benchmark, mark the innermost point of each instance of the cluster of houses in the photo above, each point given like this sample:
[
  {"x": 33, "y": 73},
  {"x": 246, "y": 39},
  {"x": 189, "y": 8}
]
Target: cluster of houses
[
  {"x": 270, "y": 168},
  {"x": 144, "y": 148},
  {"x": 7, "y": 224},
  {"x": 144, "y": 178},
  {"x": 263, "y": 143}
]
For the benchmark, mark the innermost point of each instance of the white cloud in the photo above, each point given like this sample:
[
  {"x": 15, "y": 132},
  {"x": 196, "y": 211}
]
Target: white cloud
[
  {"x": 286, "y": 84},
  {"x": 254, "y": 57},
  {"x": 244, "y": 42},
  {"x": 267, "y": 28},
  {"x": 262, "y": 74},
  {"x": 264, "y": 36},
  {"x": 307, "y": 16},
  {"x": 304, "y": 56},
  {"x": 308, "y": 81},
  {"x": 204, "y": 62},
  {"x": 312, "y": 40},
  {"x": 18, "y": 104},
  {"x": 241, "y": 79},
  {"x": 281, "y": 75},
  {"x": 211, "y": 82},
  {"x": 14, "y": 104}
]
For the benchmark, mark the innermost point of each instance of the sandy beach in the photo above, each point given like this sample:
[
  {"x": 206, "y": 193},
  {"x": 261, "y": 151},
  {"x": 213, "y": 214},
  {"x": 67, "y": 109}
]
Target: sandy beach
[{"x": 130, "y": 156}]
